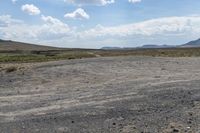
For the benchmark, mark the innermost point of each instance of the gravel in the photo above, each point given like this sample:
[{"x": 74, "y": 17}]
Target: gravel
[{"x": 102, "y": 95}]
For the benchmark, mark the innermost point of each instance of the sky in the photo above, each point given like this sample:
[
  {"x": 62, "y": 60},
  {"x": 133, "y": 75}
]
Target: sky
[{"x": 100, "y": 23}]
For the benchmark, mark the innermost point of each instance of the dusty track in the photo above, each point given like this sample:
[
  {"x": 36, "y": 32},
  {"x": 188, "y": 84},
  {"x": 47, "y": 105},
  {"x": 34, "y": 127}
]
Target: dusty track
[{"x": 118, "y": 94}]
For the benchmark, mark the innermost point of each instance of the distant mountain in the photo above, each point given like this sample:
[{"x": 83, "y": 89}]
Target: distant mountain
[
  {"x": 148, "y": 46},
  {"x": 195, "y": 43},
  {"x": 111, "y": 48},
  {"x": 157, "y": 46},
  {"x": 7, "y": 45}
]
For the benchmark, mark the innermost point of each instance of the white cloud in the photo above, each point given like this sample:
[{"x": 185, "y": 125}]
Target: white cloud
[
  {"x": 6, "y": 20},
  {"x": 14, "y": 1},
  {"x": 170, "y": 30},
  {"x": 77, "y": 14},
  {"x": 160, "y": 26},
  {"x": 91, "y": 2},
  {"x": 51, "y": 29},
  {"x": 30, "y": 9},
  {"x": 134, "y": 1},
  {"x": 52, "y": 20}
]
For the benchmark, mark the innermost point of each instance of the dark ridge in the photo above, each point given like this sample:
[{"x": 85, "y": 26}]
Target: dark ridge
[{"x": 195, "y": 43}]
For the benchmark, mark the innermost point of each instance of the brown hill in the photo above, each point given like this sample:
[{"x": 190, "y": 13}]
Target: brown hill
[{"x": 15, "y": 46}]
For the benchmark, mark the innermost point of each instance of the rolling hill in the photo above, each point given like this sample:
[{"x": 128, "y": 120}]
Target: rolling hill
[{"x": 7, "y": 45}]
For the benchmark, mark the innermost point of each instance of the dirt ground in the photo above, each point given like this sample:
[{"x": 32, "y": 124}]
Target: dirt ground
[{"x": 102, "y": 95}]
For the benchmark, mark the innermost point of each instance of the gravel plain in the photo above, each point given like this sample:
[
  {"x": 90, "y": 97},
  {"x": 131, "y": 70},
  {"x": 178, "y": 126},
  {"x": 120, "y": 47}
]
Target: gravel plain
[{"x": 102, "y": 95}]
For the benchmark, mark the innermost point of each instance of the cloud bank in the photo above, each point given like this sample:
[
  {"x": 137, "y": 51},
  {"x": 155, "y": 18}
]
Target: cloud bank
[{"x": 55, "y": 31}]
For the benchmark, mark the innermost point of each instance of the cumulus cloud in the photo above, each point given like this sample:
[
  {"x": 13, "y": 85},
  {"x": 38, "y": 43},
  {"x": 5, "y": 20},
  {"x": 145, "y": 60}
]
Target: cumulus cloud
[
  {"x": 134, "y": 1},
  {"x": 54, "y": 27},
  {"x": 30, "y": 9},
  {"x": 77, "y": 14},
  {"x": 91, "y": 2},
  {"x": 51, "y": 29}
]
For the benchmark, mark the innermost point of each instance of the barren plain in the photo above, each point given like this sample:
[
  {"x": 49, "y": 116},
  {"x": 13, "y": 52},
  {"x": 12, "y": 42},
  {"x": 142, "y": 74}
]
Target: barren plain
[{"x": 101, "y": 95}]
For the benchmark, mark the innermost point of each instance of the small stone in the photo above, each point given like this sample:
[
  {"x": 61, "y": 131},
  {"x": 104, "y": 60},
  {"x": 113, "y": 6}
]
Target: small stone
[
  {"x": 175, "y": 130},
  {"x": 189, "y": 122}
]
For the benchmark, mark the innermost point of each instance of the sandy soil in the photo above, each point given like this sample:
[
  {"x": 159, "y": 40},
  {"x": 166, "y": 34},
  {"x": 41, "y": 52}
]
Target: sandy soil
[{"x": 102, "y": 95}]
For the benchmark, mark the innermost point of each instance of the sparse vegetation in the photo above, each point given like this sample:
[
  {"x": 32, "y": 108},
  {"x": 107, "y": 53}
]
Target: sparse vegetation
[
  {"x": 42, "y": 56},
  {"x": 170, "y": 52}
]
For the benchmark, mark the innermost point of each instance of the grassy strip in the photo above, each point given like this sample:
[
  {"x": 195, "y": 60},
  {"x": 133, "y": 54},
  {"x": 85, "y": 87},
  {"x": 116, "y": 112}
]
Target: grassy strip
[
  {"x": 43, "y": 58},
  {"x": 176, "y": 52}
]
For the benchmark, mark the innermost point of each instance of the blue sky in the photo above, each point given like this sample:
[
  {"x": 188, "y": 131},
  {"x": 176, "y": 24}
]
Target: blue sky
[{"x": 98, "y": 23}]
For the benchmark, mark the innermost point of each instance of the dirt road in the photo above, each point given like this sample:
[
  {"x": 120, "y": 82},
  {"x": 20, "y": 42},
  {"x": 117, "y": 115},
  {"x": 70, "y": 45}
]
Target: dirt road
[{"x": 102, "y": 95}]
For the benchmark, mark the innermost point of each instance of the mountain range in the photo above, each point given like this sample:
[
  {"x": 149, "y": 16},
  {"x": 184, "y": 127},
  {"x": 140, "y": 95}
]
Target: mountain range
[
  {"x": 8, "y": 45},
  {"x": 191, "y": 44}
]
